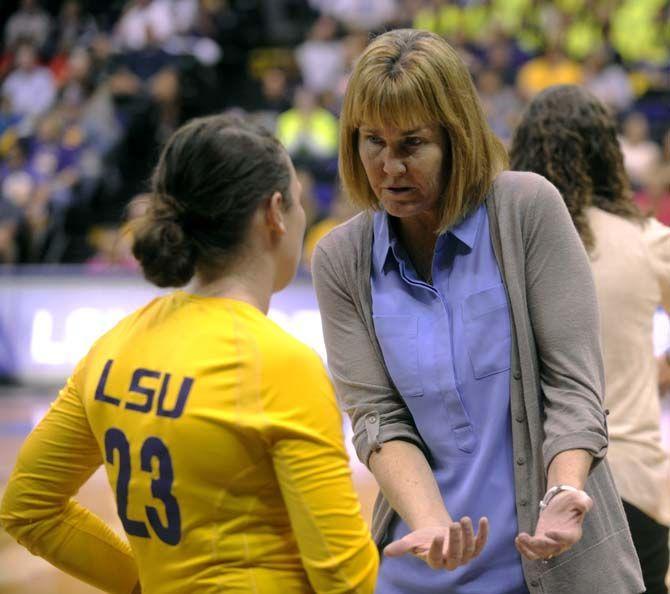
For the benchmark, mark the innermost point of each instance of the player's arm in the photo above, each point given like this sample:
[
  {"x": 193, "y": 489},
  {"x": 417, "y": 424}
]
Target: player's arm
[
  {"x": 38, "y": 511},
  {"x": 313, "y": 471}
]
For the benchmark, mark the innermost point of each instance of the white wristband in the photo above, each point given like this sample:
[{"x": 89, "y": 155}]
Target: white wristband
[{"x": 551, "y": 493}]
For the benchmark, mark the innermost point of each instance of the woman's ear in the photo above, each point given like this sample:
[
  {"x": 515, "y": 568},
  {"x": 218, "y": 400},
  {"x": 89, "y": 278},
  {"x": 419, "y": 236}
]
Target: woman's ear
[{"x": 274, "y": 213}]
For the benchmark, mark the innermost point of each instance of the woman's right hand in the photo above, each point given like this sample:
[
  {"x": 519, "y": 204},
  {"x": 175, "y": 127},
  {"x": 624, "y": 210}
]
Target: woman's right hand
[{"x": 443, "y": 547}]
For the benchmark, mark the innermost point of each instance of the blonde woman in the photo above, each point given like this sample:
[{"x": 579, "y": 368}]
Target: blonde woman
[{"x": 460, "y": 320}]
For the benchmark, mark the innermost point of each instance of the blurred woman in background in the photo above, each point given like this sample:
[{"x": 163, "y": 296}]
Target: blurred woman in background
[
  {"x": 569, "y": 137},
  {"x": 228, "y": 466}
]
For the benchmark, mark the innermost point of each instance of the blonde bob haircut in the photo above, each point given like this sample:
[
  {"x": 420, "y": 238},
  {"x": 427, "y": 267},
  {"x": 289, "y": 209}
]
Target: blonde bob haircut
[{"x": 408, "y": 78}]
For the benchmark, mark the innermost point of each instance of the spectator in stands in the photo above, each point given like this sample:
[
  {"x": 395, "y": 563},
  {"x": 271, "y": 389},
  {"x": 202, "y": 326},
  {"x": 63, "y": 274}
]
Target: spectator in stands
[
  {"x": 276, "y": 93},
  {"x": 439, "y": 17},
  {"x": 144, "y": 22},
  {"x": 149, "y": 113},
  {"x": 641, "y": 154},
  {"x": 309, "y": 132},
  {"x": 500, "y": 103},
  {"x": 103, "y": 57},
  {"x": 55, "y": 154},
  {"x": 583, "y": 30},
  {"x": 73, "y": 28},
  {"x": 501, "y": 56},
  {"x": 607, "y": 80},
  {"x": 364, "y": 15},
  {"x": 78, "y": 83},
  {"x": 88, "y": 100},
  {"x": 321, "y": 56},
  {"x": 353, "y": 45},
  {"x": 41, "y": 236},
  {"x": 146, "y": 61},
  {"x": 30, "y": 23},
  {"x": 45, "y": 155},
  {"x": 273, "y": 98},
  {"x": 113, "y": 249},
  {"x": 18, "y": 181},
  {"x": 550, "y": 68},
  {"x": 30, "y": 88},
  {"x": 654, "y": 197},
  {"x": 166, "y": 94},
  {"x": 637, "y": 31}
]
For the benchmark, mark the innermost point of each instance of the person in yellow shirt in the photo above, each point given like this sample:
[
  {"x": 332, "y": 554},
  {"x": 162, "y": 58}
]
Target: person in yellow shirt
[
  {"x": 307, "y": 130},
  {"x": 551, "y": 68},
  {"x": 219, "y": 432}
]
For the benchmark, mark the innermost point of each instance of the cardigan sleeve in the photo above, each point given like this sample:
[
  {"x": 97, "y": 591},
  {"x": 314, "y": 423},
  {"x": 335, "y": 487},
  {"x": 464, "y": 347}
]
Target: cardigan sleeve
[
  {"x": 364, "y": 389},
  {"x": 564, "y": 315}
]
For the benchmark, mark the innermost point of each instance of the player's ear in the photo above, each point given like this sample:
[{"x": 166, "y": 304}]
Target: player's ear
[{"x": 274, "y": 213}]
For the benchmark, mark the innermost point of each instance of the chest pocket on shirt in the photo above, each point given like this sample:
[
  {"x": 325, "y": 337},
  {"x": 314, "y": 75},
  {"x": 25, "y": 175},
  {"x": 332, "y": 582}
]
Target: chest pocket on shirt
[
  {"x": 398, "y": 339},
  {"x": 487, "y": 331}
]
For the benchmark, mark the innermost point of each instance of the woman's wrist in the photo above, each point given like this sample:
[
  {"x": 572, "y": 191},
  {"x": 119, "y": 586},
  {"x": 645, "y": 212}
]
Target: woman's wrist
[
  {"x": 554, "y": 491},
  {"x": 570, "y": 467},
  {"x": 431, "y": 521}
]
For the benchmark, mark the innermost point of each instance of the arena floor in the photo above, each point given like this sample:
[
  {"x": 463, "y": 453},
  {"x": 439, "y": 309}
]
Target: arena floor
[{"x": 23, "y": 573}]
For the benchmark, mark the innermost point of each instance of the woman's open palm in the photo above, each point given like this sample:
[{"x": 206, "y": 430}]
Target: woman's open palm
[
  {"x": 558, "y": 528},
  {"x": 443, "y": 547}
]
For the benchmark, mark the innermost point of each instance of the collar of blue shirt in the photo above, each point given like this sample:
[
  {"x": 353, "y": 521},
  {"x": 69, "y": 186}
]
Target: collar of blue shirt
[{"x": 386, "y": 241}]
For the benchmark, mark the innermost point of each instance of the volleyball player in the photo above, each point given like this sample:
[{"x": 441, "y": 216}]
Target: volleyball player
[{"x": 219, "y": 432}]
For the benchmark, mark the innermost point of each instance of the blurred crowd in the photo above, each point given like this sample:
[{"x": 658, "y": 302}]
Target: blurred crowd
[{"x": 90, "y": 90}]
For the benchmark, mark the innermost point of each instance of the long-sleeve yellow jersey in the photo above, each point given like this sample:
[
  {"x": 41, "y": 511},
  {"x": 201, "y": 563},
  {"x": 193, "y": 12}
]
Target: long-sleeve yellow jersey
[{"x": 223, "y": 445}]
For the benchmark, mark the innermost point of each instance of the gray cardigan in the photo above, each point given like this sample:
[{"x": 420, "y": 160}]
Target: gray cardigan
[{"x": 556, "y": 380}]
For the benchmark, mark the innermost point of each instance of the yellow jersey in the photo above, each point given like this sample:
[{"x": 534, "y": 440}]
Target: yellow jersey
[{"x": 223, "y": 444}]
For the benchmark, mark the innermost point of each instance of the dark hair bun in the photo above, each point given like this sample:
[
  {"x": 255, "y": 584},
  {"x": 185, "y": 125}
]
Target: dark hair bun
[
  {"x": 211, "y": 177},
  {"x": 167, "y": 255}
]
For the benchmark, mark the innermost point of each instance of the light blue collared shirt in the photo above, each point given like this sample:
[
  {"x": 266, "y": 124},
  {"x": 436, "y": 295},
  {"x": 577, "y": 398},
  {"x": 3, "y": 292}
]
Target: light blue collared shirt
[{"x": 448, "y": 350}]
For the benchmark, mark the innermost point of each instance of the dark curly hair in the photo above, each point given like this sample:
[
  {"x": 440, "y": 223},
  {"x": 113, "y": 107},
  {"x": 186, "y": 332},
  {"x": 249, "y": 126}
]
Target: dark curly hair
[{"x": 567, "y": 135}]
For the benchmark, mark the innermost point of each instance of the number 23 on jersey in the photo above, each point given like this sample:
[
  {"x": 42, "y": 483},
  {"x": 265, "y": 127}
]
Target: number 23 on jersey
[{"x": 154, "y": 455}]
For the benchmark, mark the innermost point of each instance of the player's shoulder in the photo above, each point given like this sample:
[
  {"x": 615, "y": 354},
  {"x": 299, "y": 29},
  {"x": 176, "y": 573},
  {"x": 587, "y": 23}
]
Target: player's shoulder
[
  {"x": 282, "y": 348},
  {"x": 127, "y": 324}
]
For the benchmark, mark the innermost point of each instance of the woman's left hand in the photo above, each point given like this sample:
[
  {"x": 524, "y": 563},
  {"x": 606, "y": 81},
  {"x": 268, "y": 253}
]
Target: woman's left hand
[{"x": 558, "y": 528}]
